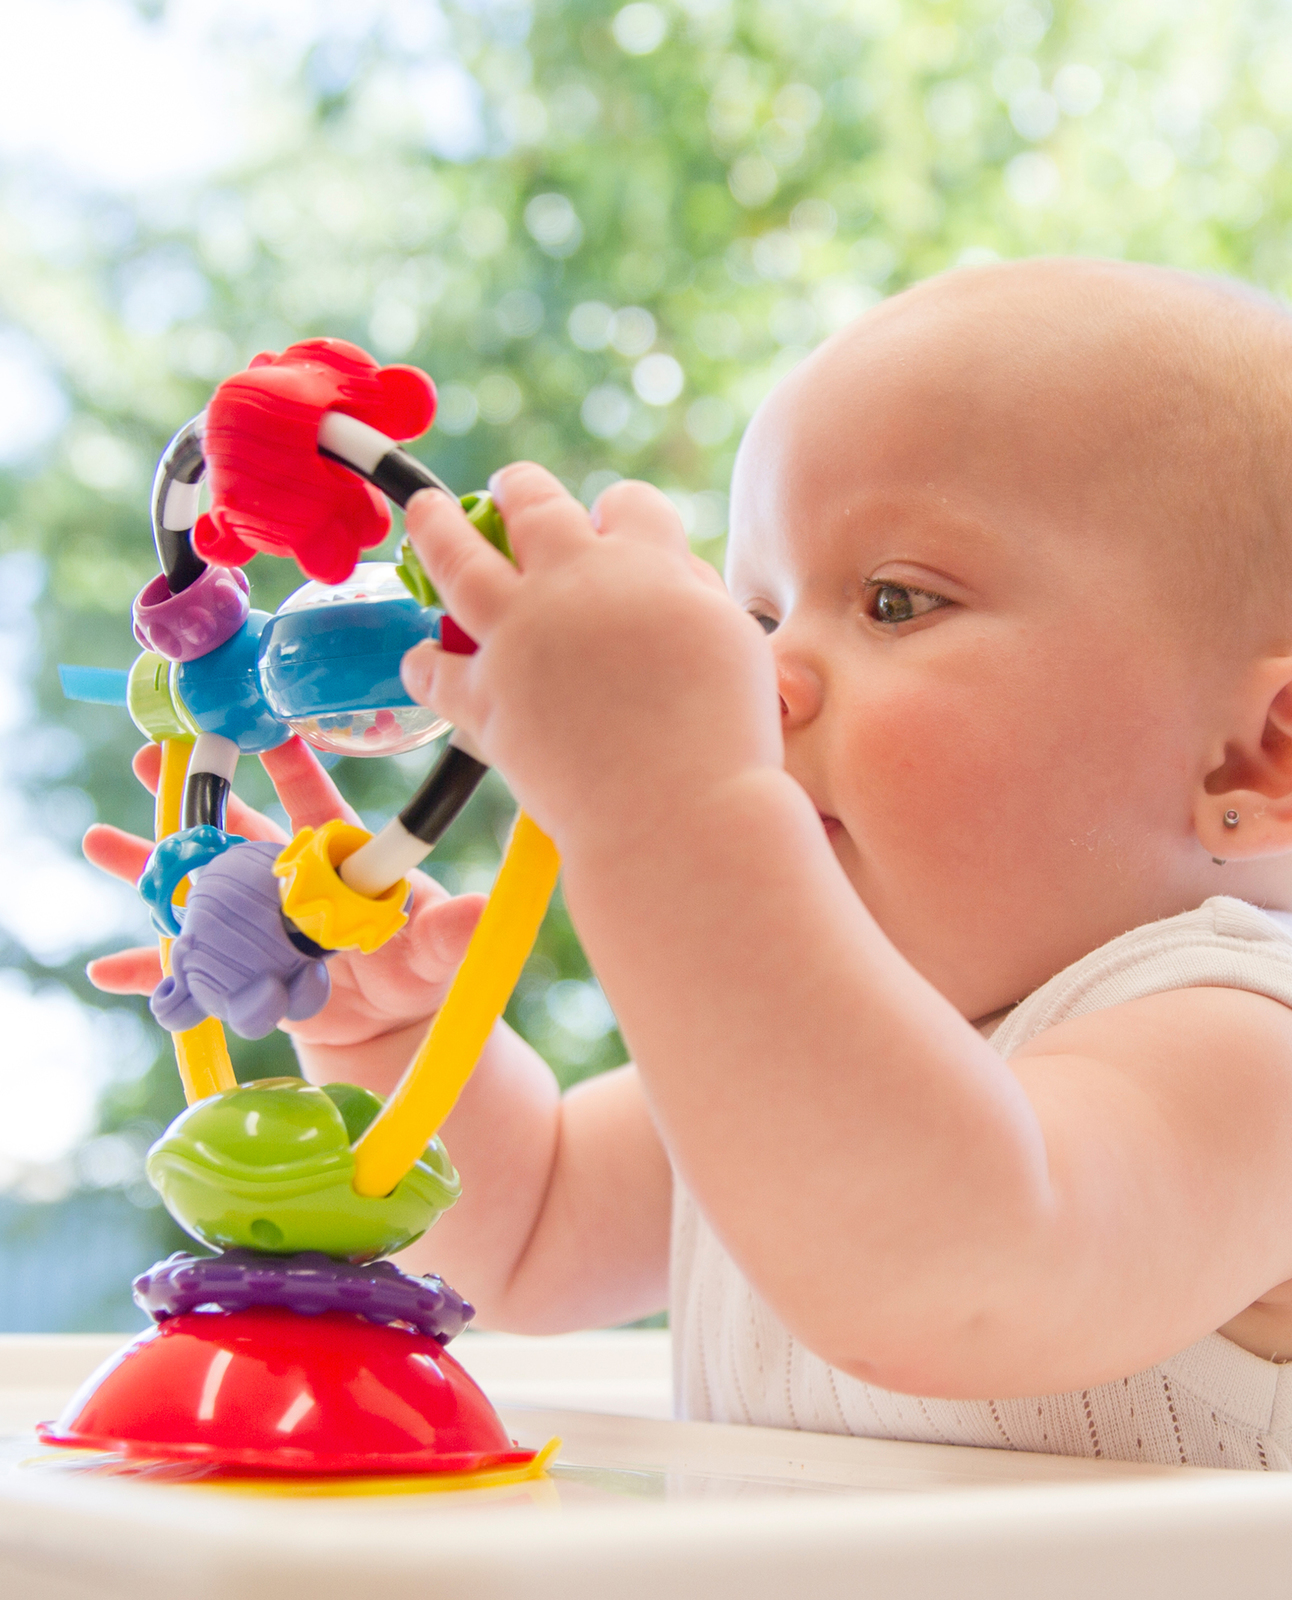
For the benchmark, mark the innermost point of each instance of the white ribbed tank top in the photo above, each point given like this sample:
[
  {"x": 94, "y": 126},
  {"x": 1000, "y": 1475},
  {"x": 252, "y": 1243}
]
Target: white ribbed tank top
[{"x": 1213, "y": 1405}]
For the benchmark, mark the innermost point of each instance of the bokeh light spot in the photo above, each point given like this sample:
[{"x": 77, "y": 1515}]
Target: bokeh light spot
[
  {"x": 639, "y": 29},
  {"x": 658, "y": 379}
]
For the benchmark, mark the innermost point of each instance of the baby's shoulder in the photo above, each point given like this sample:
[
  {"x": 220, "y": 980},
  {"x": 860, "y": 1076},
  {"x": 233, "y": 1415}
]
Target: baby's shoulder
[{"x": 1222, "y": 944}]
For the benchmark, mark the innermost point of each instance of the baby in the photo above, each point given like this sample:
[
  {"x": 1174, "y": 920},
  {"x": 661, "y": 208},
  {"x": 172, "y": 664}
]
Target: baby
[{"x": 922, "y": 868}]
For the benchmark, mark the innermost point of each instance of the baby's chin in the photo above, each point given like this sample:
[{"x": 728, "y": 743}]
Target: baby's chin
[
  {"x": 968, "y": 978},
  {"x": 845, "y": 852}
]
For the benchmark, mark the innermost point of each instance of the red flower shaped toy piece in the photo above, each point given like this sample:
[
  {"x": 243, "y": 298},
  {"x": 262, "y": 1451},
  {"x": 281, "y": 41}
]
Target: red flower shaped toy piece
[{"x": 271, "y": 490}]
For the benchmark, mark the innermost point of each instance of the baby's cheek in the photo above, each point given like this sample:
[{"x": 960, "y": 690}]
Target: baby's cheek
[
  {"x": 926, "y": 768},
  {"x": 952, "y": 802},
  {"x": 983, "y": 828}
]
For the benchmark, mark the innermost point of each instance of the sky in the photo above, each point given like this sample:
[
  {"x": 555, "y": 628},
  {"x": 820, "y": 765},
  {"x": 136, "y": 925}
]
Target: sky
[
  {"x": 118, "y": 106},
  {"x": 96, "y": 99},
  {"x": 92, "y": 100},
  {"x": 119, "y": 103},
  {"x": 125, "y": 106}
]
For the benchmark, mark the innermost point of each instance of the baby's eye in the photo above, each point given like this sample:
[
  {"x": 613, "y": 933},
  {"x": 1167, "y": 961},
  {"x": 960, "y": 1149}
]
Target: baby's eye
[
  {"x": 766, "y": 623},
  {"x": 892, "y": 603}
]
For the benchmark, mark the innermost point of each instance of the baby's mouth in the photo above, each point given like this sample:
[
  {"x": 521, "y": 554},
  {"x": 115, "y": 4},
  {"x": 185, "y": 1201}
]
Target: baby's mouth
[{"x": 833, "y": 827}]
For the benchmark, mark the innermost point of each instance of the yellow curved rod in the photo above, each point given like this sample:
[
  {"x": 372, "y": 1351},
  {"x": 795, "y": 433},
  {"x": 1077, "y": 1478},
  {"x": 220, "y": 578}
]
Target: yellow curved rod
[
  {"x": 200, "y": 1053},
  {"x": 439, "y": 1071}
]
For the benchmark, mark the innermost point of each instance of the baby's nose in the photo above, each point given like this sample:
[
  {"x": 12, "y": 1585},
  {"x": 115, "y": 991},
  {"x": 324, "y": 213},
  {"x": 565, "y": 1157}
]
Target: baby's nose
[{"x": 800, "y": 692}]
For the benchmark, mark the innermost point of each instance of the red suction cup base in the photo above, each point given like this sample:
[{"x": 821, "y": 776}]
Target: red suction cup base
[{"x": 269, "y": 1391}]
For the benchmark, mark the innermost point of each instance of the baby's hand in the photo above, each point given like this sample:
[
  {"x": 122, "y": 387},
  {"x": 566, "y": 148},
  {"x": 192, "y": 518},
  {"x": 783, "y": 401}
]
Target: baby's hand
[
  {"x": 401, "y": 984},
  {"x": 615, "y": 681}
]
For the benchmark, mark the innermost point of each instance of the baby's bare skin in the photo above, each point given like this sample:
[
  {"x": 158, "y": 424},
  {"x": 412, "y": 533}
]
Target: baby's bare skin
[{"x": 1015, "y": 558}]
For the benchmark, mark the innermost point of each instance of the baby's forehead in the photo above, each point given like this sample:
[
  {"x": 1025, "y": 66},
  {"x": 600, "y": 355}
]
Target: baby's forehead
[
  {"x": 1148, "y": 401},
  {"x": 1052, "y": 347}
]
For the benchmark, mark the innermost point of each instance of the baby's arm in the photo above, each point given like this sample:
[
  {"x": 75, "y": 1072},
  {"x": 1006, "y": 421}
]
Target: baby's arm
[
  {"x": 919, "y": 1212},
  {"x": 566, "y": 1200},
  {"x": 564, "y": 1217}
]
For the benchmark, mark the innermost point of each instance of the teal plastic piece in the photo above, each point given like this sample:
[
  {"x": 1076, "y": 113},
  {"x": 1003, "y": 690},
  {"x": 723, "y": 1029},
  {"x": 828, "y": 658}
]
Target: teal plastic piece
[
  {"x": 269, "y": 1166},
  {"x": 96, "y": 686},
  {"x": 171, "y": 862}
]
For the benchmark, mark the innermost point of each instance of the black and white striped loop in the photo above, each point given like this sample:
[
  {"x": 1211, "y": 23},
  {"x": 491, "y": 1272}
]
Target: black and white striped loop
[
  {"x": 210, "y": 779},
  {"x": 406, "y": 840},
  {"x": 373, "y": 456},
  {"x": 176, "y": 489},
  {"x": 174, "y": 506},
  {"x": 177, "y": 486}
]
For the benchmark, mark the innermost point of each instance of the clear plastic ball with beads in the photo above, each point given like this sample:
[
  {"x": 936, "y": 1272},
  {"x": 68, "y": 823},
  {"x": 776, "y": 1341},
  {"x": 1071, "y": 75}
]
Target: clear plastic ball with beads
[{"x": 388, "y": 730}]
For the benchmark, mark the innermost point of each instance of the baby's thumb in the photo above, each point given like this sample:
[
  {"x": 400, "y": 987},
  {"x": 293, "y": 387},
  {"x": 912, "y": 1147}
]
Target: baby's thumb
[{"x": 440, "y": 934}]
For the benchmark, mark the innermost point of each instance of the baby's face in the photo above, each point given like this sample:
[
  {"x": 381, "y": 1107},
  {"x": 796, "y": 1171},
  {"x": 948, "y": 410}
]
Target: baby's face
[{"x": 984, "y": 689}]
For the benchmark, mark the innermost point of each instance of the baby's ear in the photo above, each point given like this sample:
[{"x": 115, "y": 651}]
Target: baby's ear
[
  {"x": 1244, "y": 810},
  {"x": 1280, "y": 715}
]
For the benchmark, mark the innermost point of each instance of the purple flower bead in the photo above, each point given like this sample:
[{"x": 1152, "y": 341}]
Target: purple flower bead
[
  {"x": 233, "y": 958},
  {"x": 308, "y": 1283},
  {"x": 195, "y": 621}
]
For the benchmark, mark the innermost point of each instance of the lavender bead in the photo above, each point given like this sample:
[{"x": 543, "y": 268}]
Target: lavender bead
[
  {"x": 195, "y": 621},
  {"x": 308, "y": 1283},
  {"x": 233, "y": 959}
]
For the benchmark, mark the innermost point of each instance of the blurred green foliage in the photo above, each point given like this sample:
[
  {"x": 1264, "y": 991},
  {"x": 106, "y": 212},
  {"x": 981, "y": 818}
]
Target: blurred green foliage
[{"x": 606, "y": 233}]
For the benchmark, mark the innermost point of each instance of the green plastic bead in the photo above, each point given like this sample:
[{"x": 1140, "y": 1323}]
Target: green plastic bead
[
  {"x": 268, "y": 1166},
  {"x": 358, "y": 1107},
  {"x": 177, "y": 701},
  {"x": 480, "y": 510},
  {"x": 412, "y": 575},
  {"x": 150, "y": 702}
]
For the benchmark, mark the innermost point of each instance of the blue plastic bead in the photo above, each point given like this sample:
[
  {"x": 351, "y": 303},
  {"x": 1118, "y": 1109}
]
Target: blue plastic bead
[
  {"x": 221, "y": 691},
  {"x": 342, "y": 657},
  {"x": 171, "y": 862}
]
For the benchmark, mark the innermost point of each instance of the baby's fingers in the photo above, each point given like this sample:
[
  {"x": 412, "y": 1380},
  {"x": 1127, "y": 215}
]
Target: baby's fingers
[
  {"x": 441, "y": 680},
  {"x": 309, "y": 796},
  {"x": 112, "y": 850},
  {"x": 146, "y": 764},
  {"x": 437, "y": 935},
  {"x": 545, "y": 523},
  {"x": 473, "y": 578},
  {"x": 640, "y": 511},
  {"x": 127, "y": 972},
  {"x": 241, "y": 818}
]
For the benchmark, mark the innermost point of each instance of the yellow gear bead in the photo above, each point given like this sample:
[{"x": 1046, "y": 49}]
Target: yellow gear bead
[{"x": 325, "y": 908}]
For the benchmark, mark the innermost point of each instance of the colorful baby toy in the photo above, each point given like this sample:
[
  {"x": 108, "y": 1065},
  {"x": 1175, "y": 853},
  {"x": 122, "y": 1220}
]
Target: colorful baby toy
[{"x": 296, "y": 1349}]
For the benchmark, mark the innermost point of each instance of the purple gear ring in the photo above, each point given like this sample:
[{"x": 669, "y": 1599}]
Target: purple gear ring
[
  {"x": 195, "y": 621},
  {"x": 308, "y": 1283}
]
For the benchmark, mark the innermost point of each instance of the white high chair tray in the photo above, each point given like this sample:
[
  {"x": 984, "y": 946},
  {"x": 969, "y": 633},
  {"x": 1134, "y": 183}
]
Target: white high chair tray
[{"x": 636, "y": 1508}]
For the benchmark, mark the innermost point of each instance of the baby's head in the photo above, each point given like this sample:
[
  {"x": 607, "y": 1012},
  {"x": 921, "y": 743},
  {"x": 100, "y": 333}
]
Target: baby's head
[{"x": 1025, "y": 535}]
